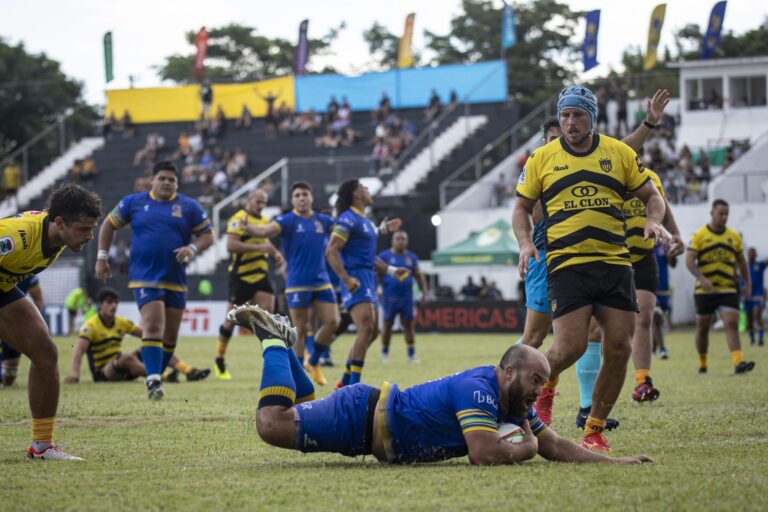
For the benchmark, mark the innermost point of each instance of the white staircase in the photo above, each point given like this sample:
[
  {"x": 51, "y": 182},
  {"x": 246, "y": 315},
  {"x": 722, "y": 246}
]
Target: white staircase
[
  {"x": 48, "y": 176},
  {"x": 421, "y": 165}
]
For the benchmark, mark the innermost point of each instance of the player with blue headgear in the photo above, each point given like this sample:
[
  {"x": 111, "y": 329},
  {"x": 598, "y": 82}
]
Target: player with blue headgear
[{"x": 579, "y": 97}]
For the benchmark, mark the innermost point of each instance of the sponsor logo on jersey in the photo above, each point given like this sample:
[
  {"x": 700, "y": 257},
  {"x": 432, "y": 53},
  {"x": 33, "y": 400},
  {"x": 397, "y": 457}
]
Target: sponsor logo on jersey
[
  {"x": 6, "y": 245},
  {"x": 176, "y": 210},
  {"x": 561, "y": 168},
  {"x": 605, "y": 165}
]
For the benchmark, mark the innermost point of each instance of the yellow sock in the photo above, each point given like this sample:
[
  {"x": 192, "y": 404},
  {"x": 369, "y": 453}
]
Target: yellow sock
[
  {"x": 702, "y": 360},
  {"x": 640, "y": 375},
  {"x": 737, "y": 356},
  {"x": 221, "y": 348},
  {"x": 594, "y": 426},
  {"x": 552, "y": 384},
  {"x": 42, "y": 429},
  {"x": 183, "y": 367}
]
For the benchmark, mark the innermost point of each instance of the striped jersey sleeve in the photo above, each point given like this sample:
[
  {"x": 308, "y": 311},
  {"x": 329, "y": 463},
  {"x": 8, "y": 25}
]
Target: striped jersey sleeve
[{"x": 476, "y": 405}]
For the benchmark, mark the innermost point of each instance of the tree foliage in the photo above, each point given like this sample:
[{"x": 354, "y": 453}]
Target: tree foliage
[
  {"x": 34, "y": 92},
  {"x": 541, "y": 61},
  {"x": 384, "y": 46},
  {"x": 238, "y": 53}
]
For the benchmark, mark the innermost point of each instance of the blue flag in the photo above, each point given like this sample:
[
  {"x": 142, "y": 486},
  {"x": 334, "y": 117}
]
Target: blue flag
[
  {"x": 712, "y": 37},
  {"x": 589, "y": 48},
  {"x": 508, "y": 35}
]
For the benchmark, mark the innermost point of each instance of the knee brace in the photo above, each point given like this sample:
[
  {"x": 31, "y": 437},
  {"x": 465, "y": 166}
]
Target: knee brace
[{"x": 224, "y": 332}]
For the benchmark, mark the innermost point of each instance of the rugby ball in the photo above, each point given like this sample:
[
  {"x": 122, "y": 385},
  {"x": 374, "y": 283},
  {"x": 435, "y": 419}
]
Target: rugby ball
[{"x": 511, "y": 433}]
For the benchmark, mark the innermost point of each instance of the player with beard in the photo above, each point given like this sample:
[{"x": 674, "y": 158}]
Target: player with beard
[{"x": 441, "y": 419}]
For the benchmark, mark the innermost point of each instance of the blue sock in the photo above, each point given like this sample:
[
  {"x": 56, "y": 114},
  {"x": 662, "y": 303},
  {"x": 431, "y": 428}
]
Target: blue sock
[
  {"x": 309, "y": 343},
  {"x": 586, "y": 370},
  {"x": 346, "y": 374},
  {"x": 277, "y": 384},
  {"x": 152, "y": 355},
  {"x": 752, "y": 336},
  {"x": 762, "y": 335},
  {"x": 305, "y": 391},
  {"x": 385, "y": 349},
  {"x": 355, "y": 370},
  {"x": 519, "y": 341},
  {"x": 314, "y": 358},
  {"x": 411, "y": 348},
  {"x": 167, "y": 355}
]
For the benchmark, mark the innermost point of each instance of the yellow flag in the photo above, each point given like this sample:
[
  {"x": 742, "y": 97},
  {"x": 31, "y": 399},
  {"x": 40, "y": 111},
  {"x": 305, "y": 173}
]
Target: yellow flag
[
  {"x": 405, "y": 55},
  {"x": 654, "y": 33}
]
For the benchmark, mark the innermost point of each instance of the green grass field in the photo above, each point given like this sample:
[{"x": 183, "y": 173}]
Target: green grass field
[{"x": 198, "y": 449}]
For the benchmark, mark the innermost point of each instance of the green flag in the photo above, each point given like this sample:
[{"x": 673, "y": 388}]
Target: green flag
[{"x": 108, "y": 57}]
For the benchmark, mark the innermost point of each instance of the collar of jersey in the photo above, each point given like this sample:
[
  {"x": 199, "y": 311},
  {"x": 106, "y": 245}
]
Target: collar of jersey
[
  {"x": 101, "y": 319},
  {"x": 568, "y": 149},
  {"x": 154, "y": 197},
  {"x": 46, "y": 249},
  {"x": 298, "y": 214},
  {"x": 356, "y": 210},
  {"x": 717, "y": 232}
]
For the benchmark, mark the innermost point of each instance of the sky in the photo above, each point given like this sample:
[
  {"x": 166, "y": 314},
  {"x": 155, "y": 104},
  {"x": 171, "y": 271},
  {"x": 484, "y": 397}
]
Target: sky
[{"x": 145, "y": 31}]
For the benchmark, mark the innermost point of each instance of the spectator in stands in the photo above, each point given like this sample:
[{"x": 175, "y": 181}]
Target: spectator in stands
[
  {"x": 126, "y": 125},
  {"x": 622, "y": 96},
  {"x": 308, "y": 122},
  {"x": 453, "y": 100},
  {"x": 602, "y": 110},
  {"x": 444, "y": 293},
  {"x": 207, "y": 199},
  {"x": 380, "y": 114},
  {"x": 329, "y": 140},
  {"x": 155, "y": 142},
  {"x": 380, "y": 157},
  {"x": 704, "y": 165},
  {"x": 219, "y": 124},
  {"x": 246, "y": 119},
  {"x": 221, "y": 181},
  {"x": 714, "y": 100},
  {"x": 271, "y": 118},
  {"x": 183, "y": 149},
  {"x": 492, "y": 292},
  {"x": 237, "y": 163},
  {"x": 331, "y": 111},
  {"x": 76, "y": 172},
  {"x": 500, "y": 191},
  {"x": 206, "y": 98},
  {"x": 119, "y": 255},
  {"x": 109, "y": 125},
  {"x": 470, "y": 290},
  {"x": 434, "y": 107},
  {"x": 196, "y": 141},
  {"x": 12, "y": 183},
  {"x": 90, "y": 171}
]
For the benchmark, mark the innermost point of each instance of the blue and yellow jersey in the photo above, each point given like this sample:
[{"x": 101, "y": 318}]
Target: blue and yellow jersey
[
  {"x": 250, "y": 267},
  {"x": 427, "y": 422},
  {"x": 716, "y": 257},
  {"x": 757, "y": 277},
  {"x": 392, "y": 287},
  {"x": 105, "y": 340},
  {"x": 159, "y": 228},
  {"x": 582, "y": 195},
  {"x": 24, "y": 248},
  {"x": 304, "y": 240},
  {"x": 635, "y": 213},
  {"x": 360, "y": 234}
]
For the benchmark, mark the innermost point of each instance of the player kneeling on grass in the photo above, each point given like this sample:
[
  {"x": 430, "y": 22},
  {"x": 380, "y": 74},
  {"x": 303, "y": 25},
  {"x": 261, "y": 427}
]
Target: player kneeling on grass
[
  {"x": 101, "y": 338},
  {"x": 441, "y": 419}
]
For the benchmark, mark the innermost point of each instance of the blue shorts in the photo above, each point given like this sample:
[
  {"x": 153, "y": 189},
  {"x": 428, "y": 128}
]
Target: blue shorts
[
  {"x": 8, "y": 351},
  {"x": 536, "y": 296},
  {"x": 757, "y": 301},
  {"x": 11, "y": 295},
  {"x": 366, "y": 292},
  {"x": 339, "y": 422},
  {"x": 394, "y": 306},
  {"x": 662, "y": 302},
  {"x": 171, "y": 299},
  {"x": 305, "y": 298}
]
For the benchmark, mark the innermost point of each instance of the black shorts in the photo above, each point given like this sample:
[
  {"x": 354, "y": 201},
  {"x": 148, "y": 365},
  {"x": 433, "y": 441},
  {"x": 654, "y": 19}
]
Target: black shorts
[
  {"x": 707, "y": 304},
  {"x": 647, "y": 273},
  {"x": 240, "y": 291},
  {"x": 123, "y": 375},
  {"x": 591, "y": 284},
  {"x": 8, "y": 351}
]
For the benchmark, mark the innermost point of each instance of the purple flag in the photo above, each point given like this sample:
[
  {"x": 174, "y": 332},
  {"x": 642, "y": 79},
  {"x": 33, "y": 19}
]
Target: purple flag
[{"x": 301, "y": 54}]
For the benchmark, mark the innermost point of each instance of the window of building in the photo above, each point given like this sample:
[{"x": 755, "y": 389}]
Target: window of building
[{"x": 748, "y": 91}]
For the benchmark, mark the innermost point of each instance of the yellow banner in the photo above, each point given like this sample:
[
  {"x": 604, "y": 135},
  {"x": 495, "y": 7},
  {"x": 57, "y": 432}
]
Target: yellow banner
[
  {"x": 405, "y": 54},
  {"x": 654, "y": 34},
  {"x": 183, "y": 103}
]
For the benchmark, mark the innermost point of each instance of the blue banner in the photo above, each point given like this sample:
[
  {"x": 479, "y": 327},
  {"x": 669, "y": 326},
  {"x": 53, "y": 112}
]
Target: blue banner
[
  {"x": 712, "y": 37},
  {"x": 482, "y": 82},
  {"x": 589, "y": 48},
  {"x": 301, "y": 52},
  {"x": 508, "y": 35}
]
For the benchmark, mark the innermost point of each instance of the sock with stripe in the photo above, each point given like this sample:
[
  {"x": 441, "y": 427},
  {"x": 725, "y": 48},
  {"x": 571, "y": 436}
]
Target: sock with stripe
[
  {"x": 355, "y": 371},
  {"x": 737, "y": 356},
  {"x": 277, "y": 384},
  {"x": 42, "y": 433},
  {"x": 309, "y": 343},
  {"x": 410, "y": 347},
  {"x": 594, "y": 426},
  {"x": 641, "y": 374},
  {"x": 385, "y": 350},
  {"x": 152, "y": 355},
  {"x": 552, "y": 384},
  {"x": 221, "y": 348},
  {"x": 317, "y": 353},
  {"x": 183, "y": 367},
  {"x": 587, "y": 368},
  {"x": 703, "y": 361},
  {"x": 305, "y": 390},
  {"x": 167, "y": 355},
  {"x": 346, "y": 374}
]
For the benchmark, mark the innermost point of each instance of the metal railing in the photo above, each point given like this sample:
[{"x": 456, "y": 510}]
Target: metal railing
[
  {"x": 493, "y": 153},
  {"x": 50, "y": 143}
]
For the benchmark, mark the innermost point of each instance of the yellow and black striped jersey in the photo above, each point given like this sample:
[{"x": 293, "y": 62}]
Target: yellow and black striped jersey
[
  {"x": 24, "y": 248},
  {"x": 635, "y": 213},
  {"x": 105, "y": 340},
  {"x": 716, "y": 256},
  {"x": 250, "y": 267},
  {"x": 582, "y": 195}
]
